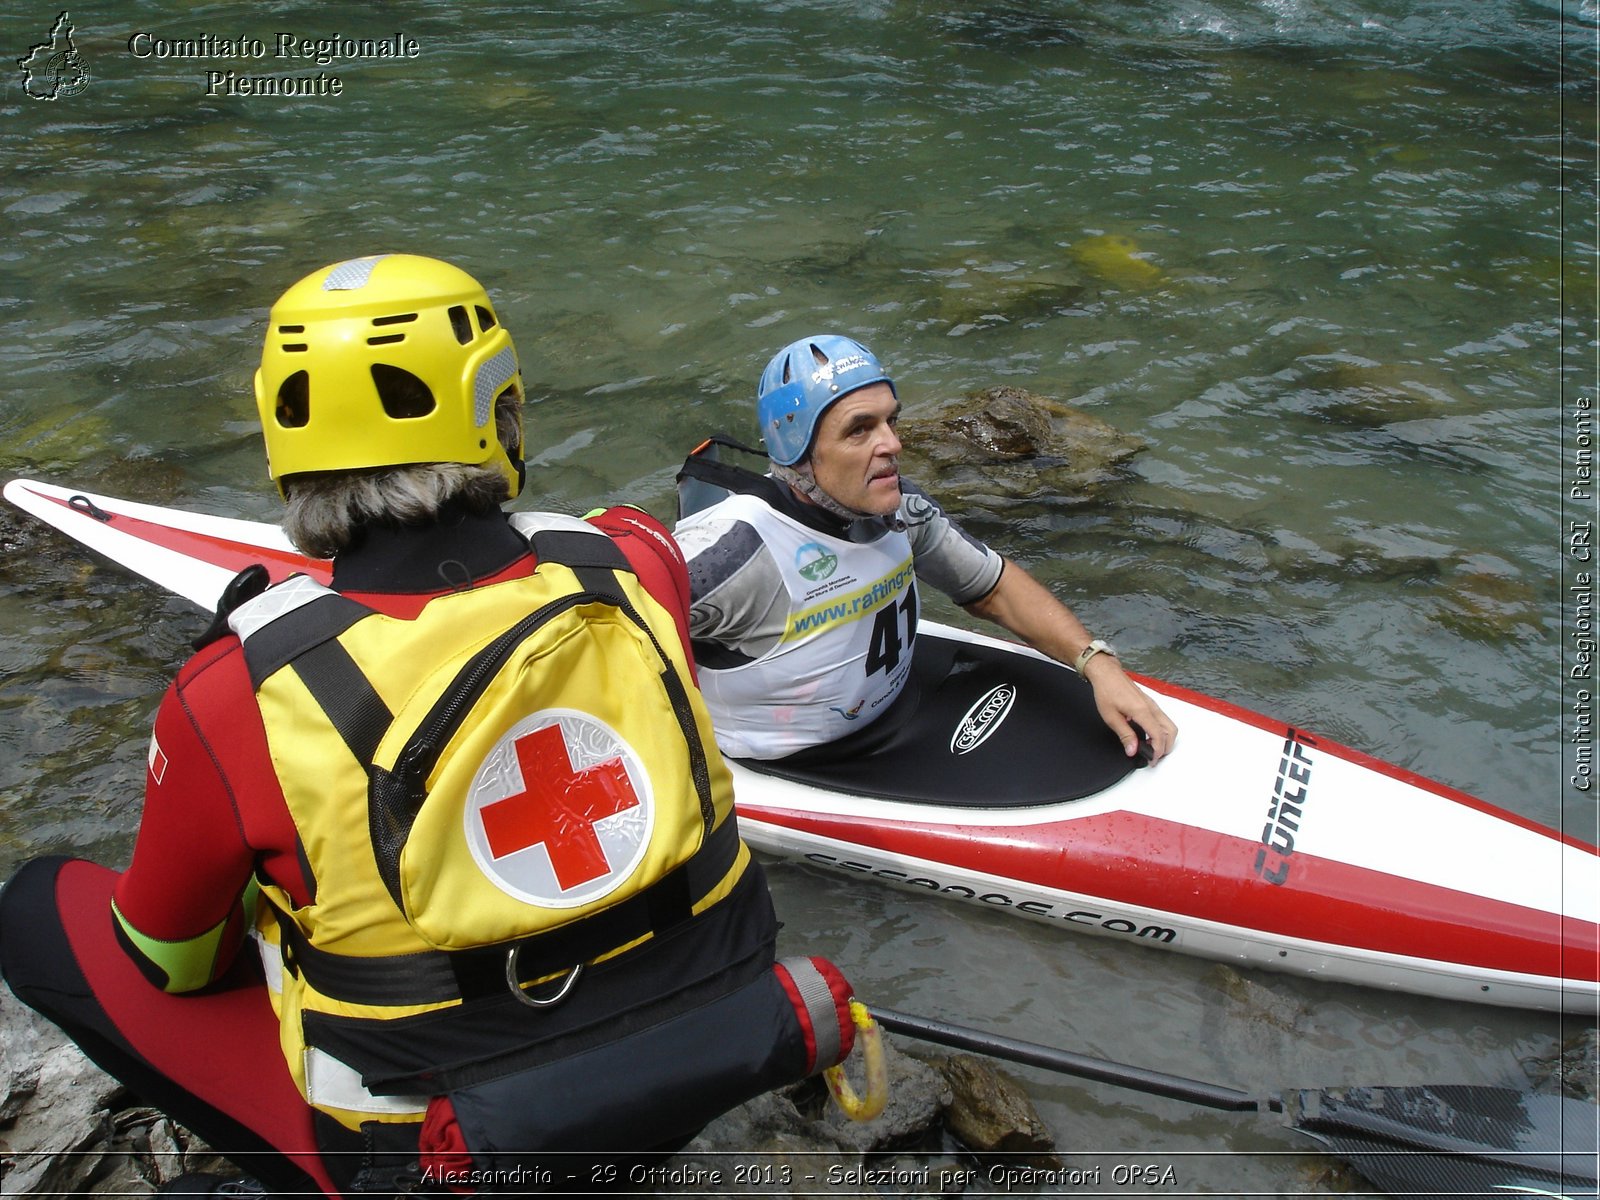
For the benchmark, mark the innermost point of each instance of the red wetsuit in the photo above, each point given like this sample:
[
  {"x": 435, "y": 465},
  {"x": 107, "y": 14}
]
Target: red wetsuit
[{"x": 214, "y": 816}]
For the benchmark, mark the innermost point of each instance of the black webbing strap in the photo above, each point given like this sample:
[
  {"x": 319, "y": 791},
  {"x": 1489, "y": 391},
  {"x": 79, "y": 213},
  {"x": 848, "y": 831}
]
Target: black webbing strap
[
  {"x": 440, "y": 976},
  {"x": 346, "y": 695},
  {"x": 596, "y": 561},
  {"x": 729, "y": 476},
  {"x": 305, "y": 640},
  {"x": 395, "y": 795},
  {"x": 279, "y": 642}
]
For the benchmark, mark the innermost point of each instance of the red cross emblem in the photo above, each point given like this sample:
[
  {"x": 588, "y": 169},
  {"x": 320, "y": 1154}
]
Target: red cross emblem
[{"x": 558, "y": 808}]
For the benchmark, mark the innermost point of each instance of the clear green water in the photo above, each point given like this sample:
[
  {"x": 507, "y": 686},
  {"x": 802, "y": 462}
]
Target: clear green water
[{"x": 1333, "y": 261}]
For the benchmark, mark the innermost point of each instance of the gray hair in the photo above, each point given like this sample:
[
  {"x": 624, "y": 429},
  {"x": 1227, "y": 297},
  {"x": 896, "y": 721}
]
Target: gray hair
[{"x": 326, "y": 508}]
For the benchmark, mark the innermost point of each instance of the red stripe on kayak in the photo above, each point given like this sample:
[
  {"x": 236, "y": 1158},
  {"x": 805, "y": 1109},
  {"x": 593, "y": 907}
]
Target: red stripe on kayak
[
  {"x": 1126, "y": 858},
  {"x": 208, "y": 548},
  {"x": 1338, "y": 750}
]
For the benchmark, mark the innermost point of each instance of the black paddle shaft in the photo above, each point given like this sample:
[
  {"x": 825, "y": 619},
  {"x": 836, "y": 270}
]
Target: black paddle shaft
[
  {"x": 1155, "y": 1083},
  {"x": 1449, "y": 1140}
]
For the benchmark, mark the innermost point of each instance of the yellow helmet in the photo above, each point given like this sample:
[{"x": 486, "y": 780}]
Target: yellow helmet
[{"x": 381, "y": 361}]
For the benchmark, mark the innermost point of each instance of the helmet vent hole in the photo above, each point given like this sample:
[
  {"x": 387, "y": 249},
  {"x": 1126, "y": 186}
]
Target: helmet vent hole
[
  {"x": 460, "y": 323},
  {"x": 403, "y": 395},
  {"x": 389, "y": 339},
  {"x": 294, "y": 401},
  {"x": 816, "y": 353},
  {"x": 486, "y": 319},
  {"x": 291, "y": 328}
]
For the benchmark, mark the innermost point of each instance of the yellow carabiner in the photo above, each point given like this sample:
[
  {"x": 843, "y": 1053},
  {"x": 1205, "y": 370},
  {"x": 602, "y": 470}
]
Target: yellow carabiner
[{"x": 862, "y": 1108}]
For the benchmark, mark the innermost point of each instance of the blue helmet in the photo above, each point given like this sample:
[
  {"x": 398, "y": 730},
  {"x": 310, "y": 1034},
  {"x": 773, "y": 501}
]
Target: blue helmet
[{"x": 799, "y": 384}]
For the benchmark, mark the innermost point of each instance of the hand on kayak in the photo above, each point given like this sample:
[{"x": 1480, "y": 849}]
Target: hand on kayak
[{"x": 1128, "y": 710}]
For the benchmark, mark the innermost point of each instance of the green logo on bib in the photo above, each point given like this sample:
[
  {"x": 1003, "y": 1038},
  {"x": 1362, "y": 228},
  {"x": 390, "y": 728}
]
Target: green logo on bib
[{"x": 815, "y": 562}]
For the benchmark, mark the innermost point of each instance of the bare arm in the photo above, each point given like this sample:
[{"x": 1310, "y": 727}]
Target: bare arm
[{"x": 1022, "y": 605}]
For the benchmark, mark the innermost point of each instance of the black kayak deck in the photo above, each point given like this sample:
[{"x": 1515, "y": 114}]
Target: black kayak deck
[{"x": 978, "y": 726}]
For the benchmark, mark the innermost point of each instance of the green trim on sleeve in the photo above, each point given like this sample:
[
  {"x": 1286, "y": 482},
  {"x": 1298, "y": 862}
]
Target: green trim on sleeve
[{"x": 192, "y": 963}]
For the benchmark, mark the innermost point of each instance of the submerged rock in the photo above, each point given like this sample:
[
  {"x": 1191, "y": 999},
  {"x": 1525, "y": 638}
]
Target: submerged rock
[
  {"x": 1573, "y": 1070},
  {"x": 983, "y": 300},
  {"x": 1490, "y": 608},
  {"x": 1008, "y": 442},
  {"x": 1370, "y": 395},
  {"x": 1117, "y": 261}
]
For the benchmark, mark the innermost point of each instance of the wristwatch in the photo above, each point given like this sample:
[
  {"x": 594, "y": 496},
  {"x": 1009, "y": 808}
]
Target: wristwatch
[{"x": 1095, "y": 647}]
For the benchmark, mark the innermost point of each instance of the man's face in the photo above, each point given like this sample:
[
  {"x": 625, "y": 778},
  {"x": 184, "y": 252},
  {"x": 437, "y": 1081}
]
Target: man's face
[{"x": 856, "y": 452}]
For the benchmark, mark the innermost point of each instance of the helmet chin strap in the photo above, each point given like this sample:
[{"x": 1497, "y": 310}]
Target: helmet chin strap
[{"x": 802, "y": 480}]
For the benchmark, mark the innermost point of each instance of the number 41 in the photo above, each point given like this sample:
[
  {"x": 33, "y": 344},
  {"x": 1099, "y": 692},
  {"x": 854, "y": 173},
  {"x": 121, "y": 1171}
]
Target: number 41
[{"x": 887, "y": 642}]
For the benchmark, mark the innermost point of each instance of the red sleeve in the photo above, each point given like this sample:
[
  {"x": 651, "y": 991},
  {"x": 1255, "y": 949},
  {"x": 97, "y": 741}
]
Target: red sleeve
[
  {"x": 654, "y": 557},
  {"x": 193, "y": 857}
]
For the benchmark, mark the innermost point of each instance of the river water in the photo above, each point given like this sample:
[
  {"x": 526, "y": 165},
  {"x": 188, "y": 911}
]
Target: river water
[{"x": 1333, "y": 261}]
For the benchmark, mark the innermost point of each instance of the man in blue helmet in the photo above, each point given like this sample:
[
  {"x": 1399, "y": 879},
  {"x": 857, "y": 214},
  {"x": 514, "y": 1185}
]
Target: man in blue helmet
[{"x": 804, "y": 589}]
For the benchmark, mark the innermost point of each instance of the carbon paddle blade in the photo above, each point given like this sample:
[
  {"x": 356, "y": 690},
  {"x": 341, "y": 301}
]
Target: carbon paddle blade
[{"x": 1457, "y": 1140}]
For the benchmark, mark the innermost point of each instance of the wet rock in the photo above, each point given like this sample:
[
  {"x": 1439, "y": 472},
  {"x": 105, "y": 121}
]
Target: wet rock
[
  {"x": 19, "y": 533},
  {"x": 918, "y": 1096},
  {"x": 61, "y": 1117},
  {"x": 989, "y": 1111},
  {"x": 66, "y": 1128},
  {"x": 1008, "y": 442}
]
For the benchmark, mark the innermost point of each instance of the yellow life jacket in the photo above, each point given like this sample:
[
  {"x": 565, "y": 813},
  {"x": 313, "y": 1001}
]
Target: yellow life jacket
[{"x": 515, "y": 787}]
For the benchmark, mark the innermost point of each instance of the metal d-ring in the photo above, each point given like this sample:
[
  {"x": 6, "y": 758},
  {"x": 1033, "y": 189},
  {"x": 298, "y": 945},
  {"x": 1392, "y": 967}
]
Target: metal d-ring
[{"x": 517, "y": 990}]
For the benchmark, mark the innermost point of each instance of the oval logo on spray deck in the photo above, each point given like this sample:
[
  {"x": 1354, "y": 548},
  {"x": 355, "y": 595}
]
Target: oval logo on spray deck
[{"x": 982, "y": 719}]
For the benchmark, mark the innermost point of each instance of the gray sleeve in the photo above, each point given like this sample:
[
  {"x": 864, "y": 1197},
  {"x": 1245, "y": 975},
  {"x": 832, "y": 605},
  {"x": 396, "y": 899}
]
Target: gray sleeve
[
  {"x": 737, "y": 598},
  {"x": 946, "y": 556}
]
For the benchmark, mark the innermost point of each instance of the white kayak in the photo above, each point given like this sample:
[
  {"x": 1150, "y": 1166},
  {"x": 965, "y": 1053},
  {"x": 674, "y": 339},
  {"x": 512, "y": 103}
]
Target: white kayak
[{"x": 1252, "y": 842}]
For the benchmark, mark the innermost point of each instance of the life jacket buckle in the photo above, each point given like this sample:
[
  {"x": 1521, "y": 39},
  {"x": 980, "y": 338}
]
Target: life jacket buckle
[{"x": 517, "y": 990}]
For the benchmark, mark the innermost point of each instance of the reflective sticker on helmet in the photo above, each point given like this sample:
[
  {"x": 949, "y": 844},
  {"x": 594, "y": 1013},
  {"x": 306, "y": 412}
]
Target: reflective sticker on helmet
[
  {"x": 353, "y": 274},
  {"x": 560, "y": 812},
  {"x": 493, "y": 375}
]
